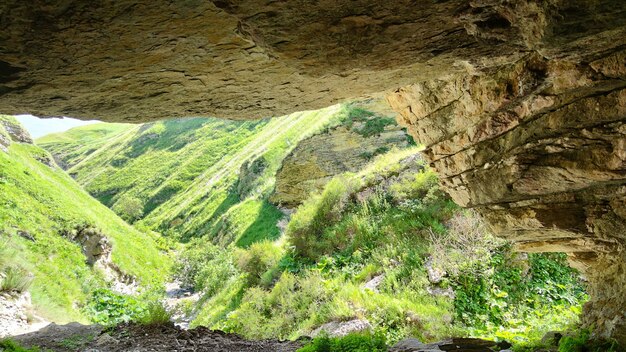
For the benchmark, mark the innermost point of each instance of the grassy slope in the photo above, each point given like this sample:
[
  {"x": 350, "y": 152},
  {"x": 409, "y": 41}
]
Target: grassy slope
[
  {"x": 42, "y": 200},
  {"x": 75, "y": 145},
  {"x": 183, "y": 172},
  {"x": 316, "y": 274}
]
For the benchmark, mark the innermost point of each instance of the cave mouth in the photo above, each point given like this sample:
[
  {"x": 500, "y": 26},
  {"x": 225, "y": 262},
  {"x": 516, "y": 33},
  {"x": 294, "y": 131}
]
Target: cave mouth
[
  {"x": 436, "y": 261},
  {"x": 520, "y": 106}
]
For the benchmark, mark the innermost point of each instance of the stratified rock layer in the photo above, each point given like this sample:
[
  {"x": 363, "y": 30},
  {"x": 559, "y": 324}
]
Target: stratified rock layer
[
  {"x": 139, "y": 60},
  {"x": 346, "y": 148},
  {"x": 538, "y": 145}
]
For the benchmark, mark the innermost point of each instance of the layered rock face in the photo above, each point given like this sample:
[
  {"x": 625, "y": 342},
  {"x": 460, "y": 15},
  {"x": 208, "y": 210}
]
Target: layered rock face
[
  {"x": 138, "y": 60},
  {"x": 538, "y": 145},
  {"x": 345, "y": 148}
]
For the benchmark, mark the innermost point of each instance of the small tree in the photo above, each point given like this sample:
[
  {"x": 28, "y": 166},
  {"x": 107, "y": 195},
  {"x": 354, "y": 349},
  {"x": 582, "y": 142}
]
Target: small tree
[{"x": 129, "y": 208}]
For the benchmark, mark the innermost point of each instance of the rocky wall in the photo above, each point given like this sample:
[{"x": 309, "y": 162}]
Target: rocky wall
[{"x": 538, "y": 146}]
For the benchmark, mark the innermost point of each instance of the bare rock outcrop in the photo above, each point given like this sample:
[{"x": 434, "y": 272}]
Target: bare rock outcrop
[
  {"x": 345, "y": 148},
  {"x": 13, "y": 313},
  {"x": 343, "y": 328},
  {"x": 13, "y": 131},
  {"x": 5, "y": 140},
  {"x": 97, "y": 251}
]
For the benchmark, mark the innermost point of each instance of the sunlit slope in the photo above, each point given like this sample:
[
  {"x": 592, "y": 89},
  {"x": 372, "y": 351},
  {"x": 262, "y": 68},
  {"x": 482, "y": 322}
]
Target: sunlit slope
[
  {"x": 180, "y": 176},
  {"x": 41, "y": 202},
  {"x": 75, "y": 145}
]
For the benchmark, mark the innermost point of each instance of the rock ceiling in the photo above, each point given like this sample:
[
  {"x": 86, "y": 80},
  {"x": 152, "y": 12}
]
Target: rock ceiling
[{"x": 137, "y": 60}]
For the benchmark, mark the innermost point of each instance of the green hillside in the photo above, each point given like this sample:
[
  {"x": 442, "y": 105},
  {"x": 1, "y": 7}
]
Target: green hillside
[
  {"x": 363, "y": 249},
  {"x": 179, "y": 177},
  {"x": 77, "y": 144},
  {"x": 39, "y": 205}
]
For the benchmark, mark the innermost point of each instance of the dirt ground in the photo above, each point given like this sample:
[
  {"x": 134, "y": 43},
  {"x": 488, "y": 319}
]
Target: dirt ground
[{"x": 137, "y": 338}]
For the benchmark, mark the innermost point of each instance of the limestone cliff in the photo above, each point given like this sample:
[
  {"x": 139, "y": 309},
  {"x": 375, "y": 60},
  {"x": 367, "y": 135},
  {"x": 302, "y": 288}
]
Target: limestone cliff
[
  {"x": 13, "y": 131},
  {"x": 345, "y": 148},
  {"x": 539, "y": 147}
]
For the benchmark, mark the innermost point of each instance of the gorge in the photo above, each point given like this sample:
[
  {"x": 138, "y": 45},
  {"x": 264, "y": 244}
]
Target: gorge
[{"x": 521, "y": 104}]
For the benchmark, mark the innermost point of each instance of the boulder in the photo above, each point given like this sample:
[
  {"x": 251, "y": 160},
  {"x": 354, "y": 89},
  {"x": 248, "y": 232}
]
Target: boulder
[
  {"x": 454, "y": 344},
  {"x": 336, "y": 328}
]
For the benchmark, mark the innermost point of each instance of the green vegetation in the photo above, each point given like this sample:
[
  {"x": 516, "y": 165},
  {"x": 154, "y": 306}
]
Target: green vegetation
[
  {"x": 180, "y": 177},
  {"x": 13, "y": 276},
  {"x": 154, "y": 313},
  {"x": 77, "y": 341},
  {"x": 581, "y": 342},
  {"x": 109, "y": 308},
  {"x": 348, "y": 343},
  {"x": 365, "y": 247},
  {"x": 39, "y": 204},
  {"x": 75, "y": 145},
  {"x": 361, "y": 121},
  {"x": 355, "y": 230},
  {"x": 14, "y": 279},
  {"x": 9, "y": 345}
]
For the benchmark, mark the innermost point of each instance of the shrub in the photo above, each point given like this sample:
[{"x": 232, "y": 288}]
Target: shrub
[
  {"x": 15, "y": 279},
  {"x": 497, "y": 292},
  {"x": 293, "y": 302},
  {"x": 349, "y": 343},
  {"x": 258, "y": 259},
  {"x": 109, "y": 308},
  {"x": 129, "y": 208},
  {"x": 422, "y": 185},
  {"x": 466, "y": 243},
  {"x": 154, "y": 313},
  {"x": 308, "y": 224},
  {"x": 376, "y": 126},
  {"x": 204, "y": 266}
]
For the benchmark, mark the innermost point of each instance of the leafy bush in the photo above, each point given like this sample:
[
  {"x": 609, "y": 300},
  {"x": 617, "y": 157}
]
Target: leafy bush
[
  {"x": 258, "y": 259},
  {"x": 129, "y": 208},
  {"x": 423, "y": 184},
  {"x": 307, "y": 226},
  {"x": 370, "y": 123},
  {"x": 502, "y": 293},
  {"x": 204, "y": 266},
  {"x": 376, "y": 126},
  {"x": 349, "y": 343},
  {"x": 109, "y": 308}
]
